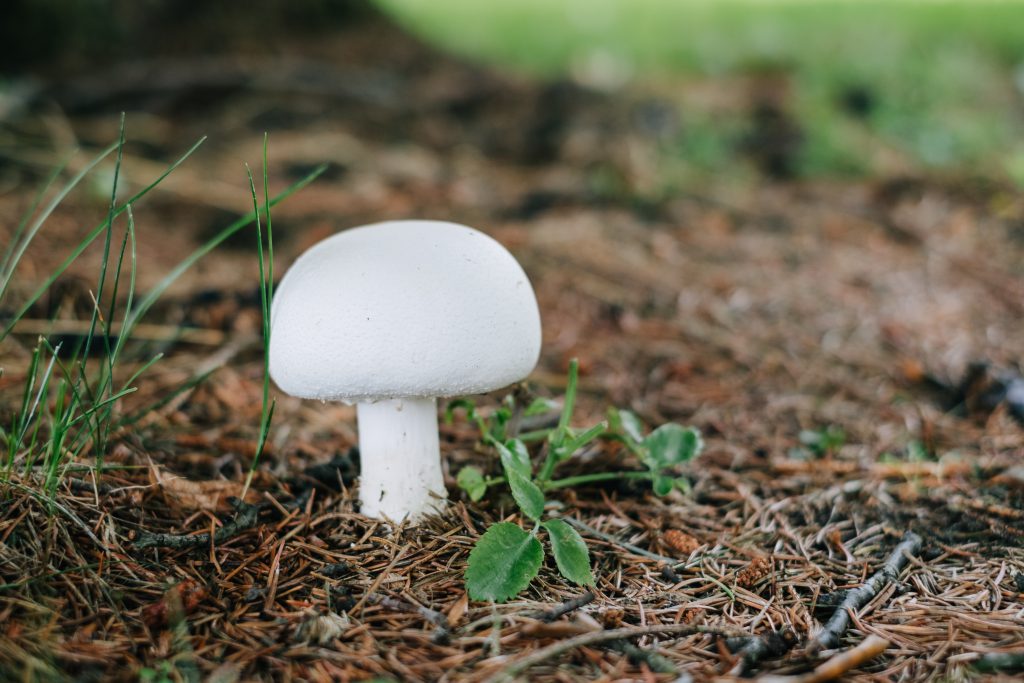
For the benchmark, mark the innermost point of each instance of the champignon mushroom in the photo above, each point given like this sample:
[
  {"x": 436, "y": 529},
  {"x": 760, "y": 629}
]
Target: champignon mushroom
[{"x": 390, "y": 317}]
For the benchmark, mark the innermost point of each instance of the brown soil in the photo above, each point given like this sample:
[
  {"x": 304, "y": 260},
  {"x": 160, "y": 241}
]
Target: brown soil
[{"x": 752, "y": 309}]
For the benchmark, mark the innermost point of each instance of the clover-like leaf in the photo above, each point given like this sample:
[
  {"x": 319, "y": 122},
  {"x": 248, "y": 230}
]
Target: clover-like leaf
[
  {"x": 471, "y": 480},
  {"x": 672, "y": 444},
  {"x": 514, "y": 457},
  {"x": 570, "y": 551},
  {"x": 528, "y": 495},
  {"x": 503, "y": 563}
]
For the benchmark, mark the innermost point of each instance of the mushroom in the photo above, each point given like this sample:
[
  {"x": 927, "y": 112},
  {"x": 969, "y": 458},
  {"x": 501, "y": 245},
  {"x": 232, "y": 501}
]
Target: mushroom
[{"x": 390, "y": 317}]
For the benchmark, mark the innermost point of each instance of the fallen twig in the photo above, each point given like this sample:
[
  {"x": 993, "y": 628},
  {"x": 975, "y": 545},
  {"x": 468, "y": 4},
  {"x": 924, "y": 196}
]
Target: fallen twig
[
  {"x": 246, "y": 517},
  {"x": 838, "y": 665},
  {"x": 598, "y": 637},
  {"x": 750, "y": 651},
  {"x": 856, "y": 598},
  {"x": 564, "y": 608},
  {"x": 657, "y": 663}
]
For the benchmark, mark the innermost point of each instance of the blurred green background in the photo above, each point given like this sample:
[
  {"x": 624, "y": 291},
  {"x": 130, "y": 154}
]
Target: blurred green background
[
  {"x": 832, "y": 88},
  {"x": 868, "y": 86}
]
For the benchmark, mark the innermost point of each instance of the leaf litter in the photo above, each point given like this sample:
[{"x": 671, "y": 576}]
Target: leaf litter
[{"x": 756, "y": 313}]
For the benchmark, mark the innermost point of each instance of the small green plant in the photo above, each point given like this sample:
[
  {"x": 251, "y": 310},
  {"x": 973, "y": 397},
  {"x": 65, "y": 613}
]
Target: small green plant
[
  {"x": 822, "y": 442},
  {"x": 506, "y": 558}
]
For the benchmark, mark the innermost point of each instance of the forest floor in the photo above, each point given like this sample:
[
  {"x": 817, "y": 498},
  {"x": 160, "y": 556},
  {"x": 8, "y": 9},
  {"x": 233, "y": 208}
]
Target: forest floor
[{"x": 825, "y": 336}]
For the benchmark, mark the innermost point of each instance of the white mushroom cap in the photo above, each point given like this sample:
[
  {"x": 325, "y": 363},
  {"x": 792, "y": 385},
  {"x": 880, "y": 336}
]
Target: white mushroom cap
[{"x": 403, "y": 309}]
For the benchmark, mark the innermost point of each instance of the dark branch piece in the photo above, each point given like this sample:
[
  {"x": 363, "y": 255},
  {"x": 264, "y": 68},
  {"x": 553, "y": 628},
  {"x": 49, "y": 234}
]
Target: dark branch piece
[
  {"x": 656, "y": 662},
  {"x": 751, "y": 651},
  {"x": 858, "y": 597},
  {"x": 246, "y": 517},
  {"x": 564, "y": 608}
]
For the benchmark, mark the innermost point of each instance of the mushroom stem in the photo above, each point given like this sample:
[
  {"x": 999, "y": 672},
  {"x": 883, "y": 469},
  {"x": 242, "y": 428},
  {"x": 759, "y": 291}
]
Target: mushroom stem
[{"x": 401, "y": 458}]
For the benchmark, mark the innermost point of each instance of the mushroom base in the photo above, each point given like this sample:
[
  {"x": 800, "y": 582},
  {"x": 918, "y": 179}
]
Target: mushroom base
[{"x": 401, "y": 459}]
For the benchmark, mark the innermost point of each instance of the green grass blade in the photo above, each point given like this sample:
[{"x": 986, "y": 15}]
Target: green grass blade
[
  {"x": 570, "y": 399},
  {"x": 188, "y": 385},
  {"x": 266, "y": 295},
  {"x": 151, "y": 297},
  {"x": 31, "y": 233},
  {"x": 93, "y": 234},
  {"x": 36, "y": 201},
  {"x": 104, "y": 262}
]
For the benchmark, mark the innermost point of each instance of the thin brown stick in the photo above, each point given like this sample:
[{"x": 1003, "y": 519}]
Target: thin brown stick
[
  {"x": 598, "y": 637},
  {"x": 845, "y": 661},
  {"x": 564, "y": 608},
  {"x": 855, "y": 599}
]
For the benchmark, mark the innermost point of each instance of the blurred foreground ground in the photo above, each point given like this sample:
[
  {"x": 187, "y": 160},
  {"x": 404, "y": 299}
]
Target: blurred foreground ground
[{"x": 754, "y": 309}]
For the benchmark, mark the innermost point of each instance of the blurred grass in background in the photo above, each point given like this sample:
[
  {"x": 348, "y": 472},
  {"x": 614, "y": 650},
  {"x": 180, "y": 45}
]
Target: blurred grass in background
[{"x": 856, "y": 86}]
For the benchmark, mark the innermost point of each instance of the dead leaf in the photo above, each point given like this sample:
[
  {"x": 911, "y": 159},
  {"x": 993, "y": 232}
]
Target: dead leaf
[
  {"x": 190, "y": 496},
  {"x": 458, "y": 610},
  {"x": 322, "y": 629},
  {"x": 180, "y": 600}
]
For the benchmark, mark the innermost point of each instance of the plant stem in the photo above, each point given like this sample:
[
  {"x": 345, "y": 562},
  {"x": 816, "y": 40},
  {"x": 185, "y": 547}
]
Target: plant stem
[{"x": 590, "y": 478}]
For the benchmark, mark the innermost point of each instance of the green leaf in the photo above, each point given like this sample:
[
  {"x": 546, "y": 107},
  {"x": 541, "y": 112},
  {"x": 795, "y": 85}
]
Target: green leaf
[
  {"x": 663, "y": 485},
  {"x": 497, "y": 422},
  {"x": 540, "y": 406},
  {"x": 502, "y": 563},
  {"x": 631, "y": 426},
  {"x": 562, "y": 432},
  {"x": 672, "y": 444},
  {"x": 683, "y": 484},
  {"x": 528, "y": 496},
  {"x": 578, "y": 441},
  {"x": 471, "y": 480},
  {"x": 825, "y": 441},
  {"x": 464, "y": 403},
  {"x": 570, "y": 552},
  {"x": 515, "y": 457}
]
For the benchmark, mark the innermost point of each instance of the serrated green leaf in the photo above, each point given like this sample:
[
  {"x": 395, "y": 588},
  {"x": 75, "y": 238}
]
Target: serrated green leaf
[
  {"x": 471, "y": 480},
  {"x": 672, "y": 444},
  {"x": 503, "y": 563},
  {"x": 570, "y": 551},
  {"x": 515, "y": 457},
  {"x": 528, "y": 496},
  {"x": 662, "y": 485}
]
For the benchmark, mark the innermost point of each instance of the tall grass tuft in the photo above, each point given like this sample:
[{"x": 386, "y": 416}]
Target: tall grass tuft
[{"x": 69, "y": 406}]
